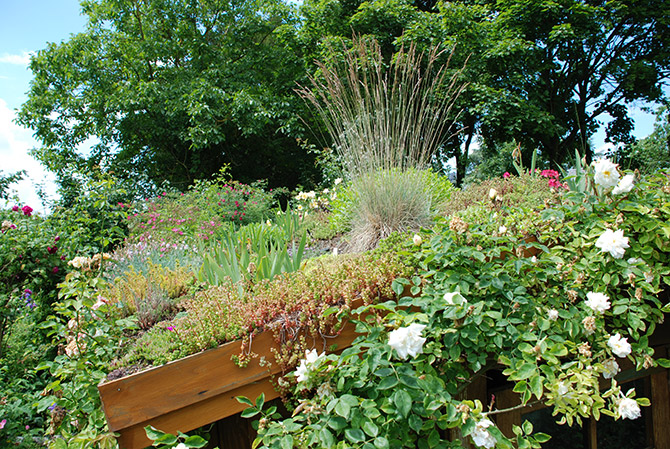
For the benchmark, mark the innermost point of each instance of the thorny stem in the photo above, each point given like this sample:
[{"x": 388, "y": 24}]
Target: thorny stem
[{"x": 511, "y": 409}]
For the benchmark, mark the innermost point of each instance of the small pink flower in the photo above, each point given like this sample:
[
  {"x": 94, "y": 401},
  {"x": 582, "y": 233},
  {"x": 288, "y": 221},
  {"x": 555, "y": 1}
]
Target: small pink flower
[
  {"x": 3, "y": 423},
  {"x": 15, "y": 209},
  {"x": 55, "y": 270},
  {"x": 506, "y": 175},
  {"x": 549, "y": 174},
  {"x": 57, "y": 238},
  {"x": 27, "y": 427}
]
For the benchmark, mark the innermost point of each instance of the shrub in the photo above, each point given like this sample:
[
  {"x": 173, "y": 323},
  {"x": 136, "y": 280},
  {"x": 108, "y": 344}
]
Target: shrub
[{"x": 196, "y": 215}]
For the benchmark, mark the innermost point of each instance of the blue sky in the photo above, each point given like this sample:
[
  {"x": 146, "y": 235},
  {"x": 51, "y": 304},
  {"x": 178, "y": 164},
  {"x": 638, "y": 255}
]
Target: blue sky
[{"x": 28, "y": 26}]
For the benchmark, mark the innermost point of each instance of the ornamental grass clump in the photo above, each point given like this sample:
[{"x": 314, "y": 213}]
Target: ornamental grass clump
[
  {"x": 383, "y": 115},
  {"x": 386, "y": 120},
  {"x": 379, "y": 203}
]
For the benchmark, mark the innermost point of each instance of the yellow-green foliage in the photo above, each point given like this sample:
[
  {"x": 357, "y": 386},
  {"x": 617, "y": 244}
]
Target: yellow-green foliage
[{"x": 134, "y": 286}]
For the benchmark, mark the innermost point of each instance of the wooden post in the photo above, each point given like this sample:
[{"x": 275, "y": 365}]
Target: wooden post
[{"x": 660, "y": 409}]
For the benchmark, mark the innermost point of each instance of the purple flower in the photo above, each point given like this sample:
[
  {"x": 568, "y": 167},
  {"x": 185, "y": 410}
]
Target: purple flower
[
  {"x": 55, "y": 270},
  {"x": 170, "y": 328},
  {"x": 27, "y": 210},
  {"x": 52, "y": 249},
  {"x": 57, "y": 238}
]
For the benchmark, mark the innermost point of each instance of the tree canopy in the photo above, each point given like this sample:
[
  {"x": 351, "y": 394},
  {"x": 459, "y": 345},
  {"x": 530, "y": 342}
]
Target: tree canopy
[{"x": 172, "y": 91}]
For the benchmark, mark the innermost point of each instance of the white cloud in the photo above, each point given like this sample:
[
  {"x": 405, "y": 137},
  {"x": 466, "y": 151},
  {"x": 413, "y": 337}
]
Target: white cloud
[
  {"x": 15, "y": 144},
  {"x": 22, "y": 59}
]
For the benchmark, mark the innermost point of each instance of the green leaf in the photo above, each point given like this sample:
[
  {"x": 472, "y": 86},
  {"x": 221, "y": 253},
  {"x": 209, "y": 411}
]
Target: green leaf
[
  {"x": 536, "y": 385},
  {"x": 354, "y": 435},
  {"x": 195, "y": 441},
  {"x": 326, "y": 438},
  {"x": 387, "y": 382},
  {"x": 286, "y": 442},
  {"x": 343, "y": 409},
  {"x": 244, "y": 400},
  {"x": 541, "y": 437},
  {"x": 249, "y": 412},
  {"x": 370, "y": 428},
  {"x": 260, "y": 401},
  {"x": 403, "y": 402},
  {"x": 153, "y": 433},
  {"x": 665, "y": 363},
  {"x": 381, "y": 443},
  {"x": 525, "y": 371},
  {"x": 415, "y": 422}
]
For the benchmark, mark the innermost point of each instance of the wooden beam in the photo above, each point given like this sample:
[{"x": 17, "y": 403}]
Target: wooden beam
[{"x": 660, "y": 409}]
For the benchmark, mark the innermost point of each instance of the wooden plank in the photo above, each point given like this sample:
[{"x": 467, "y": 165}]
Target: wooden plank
[
  {"x": 196, "y": 415},
  {"x": 175, "y": 385},
  {"x": 505, "y": 421}
]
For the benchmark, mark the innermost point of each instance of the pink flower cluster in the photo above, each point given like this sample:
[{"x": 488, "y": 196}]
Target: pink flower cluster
[
  {"x": 553, "y": 177},
  {"x": 27, "y": 210}
]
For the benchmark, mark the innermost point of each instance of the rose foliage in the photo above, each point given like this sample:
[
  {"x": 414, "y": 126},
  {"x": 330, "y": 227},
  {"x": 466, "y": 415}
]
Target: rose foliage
[{"x": 558, "y": 317}]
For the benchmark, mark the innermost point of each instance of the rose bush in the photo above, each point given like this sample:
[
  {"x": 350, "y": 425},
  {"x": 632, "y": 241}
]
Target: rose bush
[{"x": 552, "y": 316}]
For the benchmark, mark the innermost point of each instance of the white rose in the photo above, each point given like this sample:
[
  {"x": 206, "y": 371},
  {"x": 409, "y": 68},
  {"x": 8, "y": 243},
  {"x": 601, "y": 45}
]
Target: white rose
[
  {"x": 502, "y": 229},
  {"x": 407, "y": 341},
  {"x": 181, "y": 446},
  {"x": 610, "y": 368},
  {"x": 598, "y": 302},
  {"x": 624, "y": 186},
  {"x": 552, "y": 315},
  {"x": 613, "y": 242},
  {"x": 481, "y": 436},
  {"x": 628, "y": 409},
  {"x": 311, "y": 357},
  {"x": 493, "y": 193},
  {"x": 605, "y": 174},
  {"x": 619, "y": 345}
]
